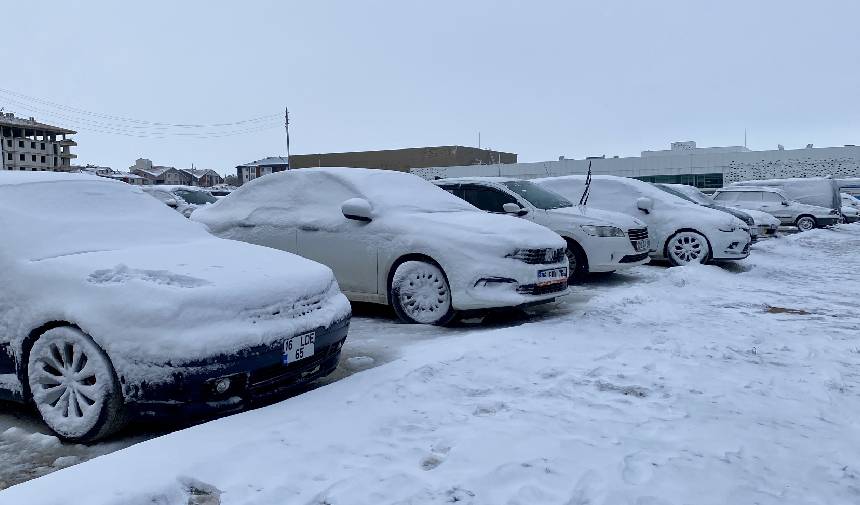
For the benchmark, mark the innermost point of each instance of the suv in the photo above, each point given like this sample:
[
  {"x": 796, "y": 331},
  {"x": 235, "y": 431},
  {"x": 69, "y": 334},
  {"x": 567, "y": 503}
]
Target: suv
[
  {"x": 775, "y": 202},
  {"x": 597, "y": 241}
]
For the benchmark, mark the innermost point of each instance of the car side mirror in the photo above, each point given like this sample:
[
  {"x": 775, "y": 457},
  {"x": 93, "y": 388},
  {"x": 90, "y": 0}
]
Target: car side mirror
[
  {"x": 172, "y": 203},
  {"x": 645, "y": 204},
  {"x": 358, "y": 209},
  {"x": 512, "y": 208}
]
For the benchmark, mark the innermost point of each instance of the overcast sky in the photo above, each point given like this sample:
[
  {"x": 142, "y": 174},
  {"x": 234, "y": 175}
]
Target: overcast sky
[{"x": 540, "y": 79}]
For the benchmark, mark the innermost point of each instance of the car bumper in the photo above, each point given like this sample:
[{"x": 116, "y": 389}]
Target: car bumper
[
  {"x": 730, "y": 245},
  {"x": 511, "y": 287},
  {"x": 767, "y": 231},
  {"x": 256, "y": 376},
  {"x": 608, "y": 254}
]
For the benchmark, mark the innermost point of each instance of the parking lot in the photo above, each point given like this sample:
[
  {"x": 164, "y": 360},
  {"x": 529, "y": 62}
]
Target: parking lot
[{"x": 639, "y": 381}]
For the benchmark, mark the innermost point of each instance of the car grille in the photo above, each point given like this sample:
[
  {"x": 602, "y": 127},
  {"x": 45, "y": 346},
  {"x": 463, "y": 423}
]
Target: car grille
[
  {"x": 277, "y": 375},
  {"x": 534, "y": 289},
  {"x": 636, "y": 234},
  {"x": 538, "y": 256}
]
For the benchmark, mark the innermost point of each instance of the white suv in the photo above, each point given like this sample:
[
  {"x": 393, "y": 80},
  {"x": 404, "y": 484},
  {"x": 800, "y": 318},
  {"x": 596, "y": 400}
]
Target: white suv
[
  {"x": 776, "y": 203},
  {"x": 597, "y": 241}
]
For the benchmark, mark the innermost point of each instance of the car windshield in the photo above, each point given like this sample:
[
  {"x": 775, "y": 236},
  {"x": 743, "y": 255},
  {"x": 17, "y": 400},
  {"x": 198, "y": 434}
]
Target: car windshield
[
  {"x": 690, "y": 194},
  {"x": 196, "y": 197},
  {"x": 539, "y": 197}
]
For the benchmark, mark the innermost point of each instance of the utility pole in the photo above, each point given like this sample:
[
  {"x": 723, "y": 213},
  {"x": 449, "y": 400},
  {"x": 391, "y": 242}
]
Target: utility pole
[
  {"x": 479, "y": 139},
  {"x": 287, "y": 128}
]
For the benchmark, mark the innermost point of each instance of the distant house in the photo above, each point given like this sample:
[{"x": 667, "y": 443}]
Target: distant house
[
  {"x": 259, "y": 168},
  {"x": 155, "y": 174},
  {"x": 203, "y": 177},
  {"x": 110, "y": 173}
]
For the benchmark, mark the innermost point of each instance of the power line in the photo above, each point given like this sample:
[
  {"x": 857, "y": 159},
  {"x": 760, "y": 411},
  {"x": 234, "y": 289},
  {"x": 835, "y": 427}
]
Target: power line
[{"x": 120, "y": 125}]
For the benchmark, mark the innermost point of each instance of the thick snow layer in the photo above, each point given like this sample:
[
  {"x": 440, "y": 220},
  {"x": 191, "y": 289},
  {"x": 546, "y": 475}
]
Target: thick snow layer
[
  {"x": 697, "y": 384},
  {"x": 148, "y": 285}
]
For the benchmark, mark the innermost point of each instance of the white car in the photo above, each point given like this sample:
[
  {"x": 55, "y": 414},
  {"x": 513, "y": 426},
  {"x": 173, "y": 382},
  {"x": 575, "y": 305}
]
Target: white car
[
  {"x": 394, "y": 238},
  {"x": 597, "y": 240},
  {"x": 761, "y": 223},
  {"x": 680, "y": 231},
  {"x": 774, "y": 201},
  {"x": 112, "y": 307},
  {"x": 850, "y": 208},
  {"x": 184, "y": 199}
]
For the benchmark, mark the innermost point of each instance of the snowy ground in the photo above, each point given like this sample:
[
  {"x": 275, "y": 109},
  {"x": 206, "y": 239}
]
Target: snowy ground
[{"x": 736, "y": 384}]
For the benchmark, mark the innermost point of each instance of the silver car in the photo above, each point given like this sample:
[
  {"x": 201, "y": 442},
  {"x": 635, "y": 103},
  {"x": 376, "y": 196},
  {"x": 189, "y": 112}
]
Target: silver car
[{"x": 774, "y": 201}]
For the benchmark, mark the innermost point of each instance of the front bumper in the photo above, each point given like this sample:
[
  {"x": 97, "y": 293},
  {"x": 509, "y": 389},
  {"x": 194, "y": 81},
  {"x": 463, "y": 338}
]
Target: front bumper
[
  {"x": 511, "y": 287},
  {"x": 608, "y": 254},
  {"x": 733, "y": 245},
  {"x": 256, "y": 376}
]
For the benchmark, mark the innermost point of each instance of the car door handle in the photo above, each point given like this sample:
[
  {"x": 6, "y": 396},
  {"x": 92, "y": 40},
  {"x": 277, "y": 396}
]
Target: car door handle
[{"x": 306, "y": 227}]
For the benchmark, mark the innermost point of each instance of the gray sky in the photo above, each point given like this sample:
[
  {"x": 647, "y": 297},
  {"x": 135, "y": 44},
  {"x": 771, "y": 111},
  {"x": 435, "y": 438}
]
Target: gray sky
[{"x": 541, "y": 79}]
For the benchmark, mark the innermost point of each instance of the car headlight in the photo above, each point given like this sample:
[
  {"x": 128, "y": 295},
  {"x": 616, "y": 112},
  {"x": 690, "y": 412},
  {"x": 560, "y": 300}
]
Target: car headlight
[
  {"x": 729, "y": 227},
  {"x": 602, "y": 231}
]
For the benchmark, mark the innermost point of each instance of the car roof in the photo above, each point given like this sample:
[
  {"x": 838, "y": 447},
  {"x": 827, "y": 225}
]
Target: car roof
[
  {"x": 477, "y": 179},
  {"x": 769, "y": 189},
  {"x": 172, "y": 187},
  {"x": 16, "y": 177}
]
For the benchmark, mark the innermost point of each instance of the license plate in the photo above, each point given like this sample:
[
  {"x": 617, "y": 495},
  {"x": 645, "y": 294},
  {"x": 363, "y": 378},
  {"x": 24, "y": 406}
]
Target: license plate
[
  {"x": 551, "y": 275},
  {"x": 299, "y": 347},
  {"x": 642, "y": 245}
]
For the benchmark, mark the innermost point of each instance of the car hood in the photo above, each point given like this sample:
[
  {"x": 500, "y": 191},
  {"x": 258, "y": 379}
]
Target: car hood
[
  {"x": 762, "y": 218},
  {"x": 582, "y": 214},
  {"x": 472, "y": 229},
  {"x": 185, "y": 300}
]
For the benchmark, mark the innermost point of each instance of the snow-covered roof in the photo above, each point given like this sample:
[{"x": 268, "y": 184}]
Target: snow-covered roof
[
  {"x": 271, "y": 160},
  {"x": 14, "y": 177},
  {"x": 478, "y": 179}
]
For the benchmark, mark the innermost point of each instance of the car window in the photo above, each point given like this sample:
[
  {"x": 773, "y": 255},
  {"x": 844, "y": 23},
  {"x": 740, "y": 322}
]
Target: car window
[
  {"x": 771, "y": 198},
  {"x": 454, "y": 189},
  {"x": 749, "y": 196},
  {"x": 539, "y": 197},
  {"x": 727, "y": 196},
  {"x": 487, "y": 199},
  {"x": 195, "y": 197}
]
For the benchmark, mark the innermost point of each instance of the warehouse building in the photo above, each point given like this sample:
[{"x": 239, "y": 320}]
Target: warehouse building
[
  {"x": 27, "y": 144},
  {"x": 405, "y": 159},
  {"x": 684, "y": 163}
]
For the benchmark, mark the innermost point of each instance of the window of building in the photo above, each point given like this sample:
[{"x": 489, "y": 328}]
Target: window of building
[
  {"x": 9, "y": 156},
  {"x": 20, "y": 143},
  {"x": 42, "y": 146},
  {"x": 9, "y": 142},
  {"x": 43, "y": 159},
  {"x": 33, "y": 158},
  {"x": 21, "y": 157},
  {"x": 32, "y": 145}
]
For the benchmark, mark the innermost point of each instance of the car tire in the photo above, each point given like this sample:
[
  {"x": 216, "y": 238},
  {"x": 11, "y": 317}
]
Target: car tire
[
  {"x": 578, "y": 262},
  {"x": 74, "y": 386},
  {"x": 420, "y": 294},
  {"x": 806, "y": 223},
  {"x": 687, "y": 247}
]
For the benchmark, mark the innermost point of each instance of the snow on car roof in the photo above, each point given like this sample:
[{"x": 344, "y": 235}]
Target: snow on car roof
[
  {"x": 15, "y": 177},
  {"x": 478, "y": 179},
  {"x": 642, "y": 187},
  {"x": 770, "y": 189}
]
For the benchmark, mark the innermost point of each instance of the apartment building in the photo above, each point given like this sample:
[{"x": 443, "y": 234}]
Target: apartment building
[
  {"x": 156, "y": 174},
  {"x": 26, "y": 144}
]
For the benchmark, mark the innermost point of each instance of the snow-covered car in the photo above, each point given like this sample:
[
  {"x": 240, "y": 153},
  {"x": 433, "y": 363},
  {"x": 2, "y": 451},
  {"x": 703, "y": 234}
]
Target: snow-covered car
[
  {"x": 761, "y": 224},
  {"x": 817, "y": 191},
  {"x": 597, "y": 240},
  {"x": 850, "y": 208},
  {"x": 113, "y": 307},
  {"x": 184, "y": 199},
  {"x": 775, "y": 202},
  {"x": 680, "y": 231},
  {"x": 394, "y": 238}
]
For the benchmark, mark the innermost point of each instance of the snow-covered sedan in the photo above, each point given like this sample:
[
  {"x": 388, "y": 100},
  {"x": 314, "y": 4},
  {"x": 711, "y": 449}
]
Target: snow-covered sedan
[
  {"x": 112, "y": 306},
  {"x": 774, "y": 201},
  {"x": 394, "y": 238},
  {"x": 183, "y": 199},
  {"x": 681, "y": 231},
  {"x": 761, "y": 224},
  {"x": 597, "y": 240},
  {"x": 850, "y": 208}
]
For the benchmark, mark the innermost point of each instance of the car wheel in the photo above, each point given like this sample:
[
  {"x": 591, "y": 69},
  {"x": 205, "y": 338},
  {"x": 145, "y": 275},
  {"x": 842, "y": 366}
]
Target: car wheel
[
  {"x": 420, "y": 294},
  {"x": 74, "y": 385},
  {"x": 578, "y": 262},
  {"x": 805, "y": 223},
  {"x": 687, "y": 247}
]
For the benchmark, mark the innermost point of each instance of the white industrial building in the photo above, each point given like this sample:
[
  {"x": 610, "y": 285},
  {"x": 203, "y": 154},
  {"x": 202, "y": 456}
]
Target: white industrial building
[{"x": 684, "y": 163}]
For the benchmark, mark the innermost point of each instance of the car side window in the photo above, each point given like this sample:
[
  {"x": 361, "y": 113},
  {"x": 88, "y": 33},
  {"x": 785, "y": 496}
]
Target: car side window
[
  {"x": 725, "y": 197},
  {"x": 454, "y": 190},
  {"x": 487, "y": 199},
  {"x": 749, "y": 196},
  {"x": 771, "y": 198}
]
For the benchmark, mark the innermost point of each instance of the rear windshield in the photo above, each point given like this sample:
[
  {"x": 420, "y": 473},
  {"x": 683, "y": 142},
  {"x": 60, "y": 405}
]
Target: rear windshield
[{"x": 196, "y": 197}]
